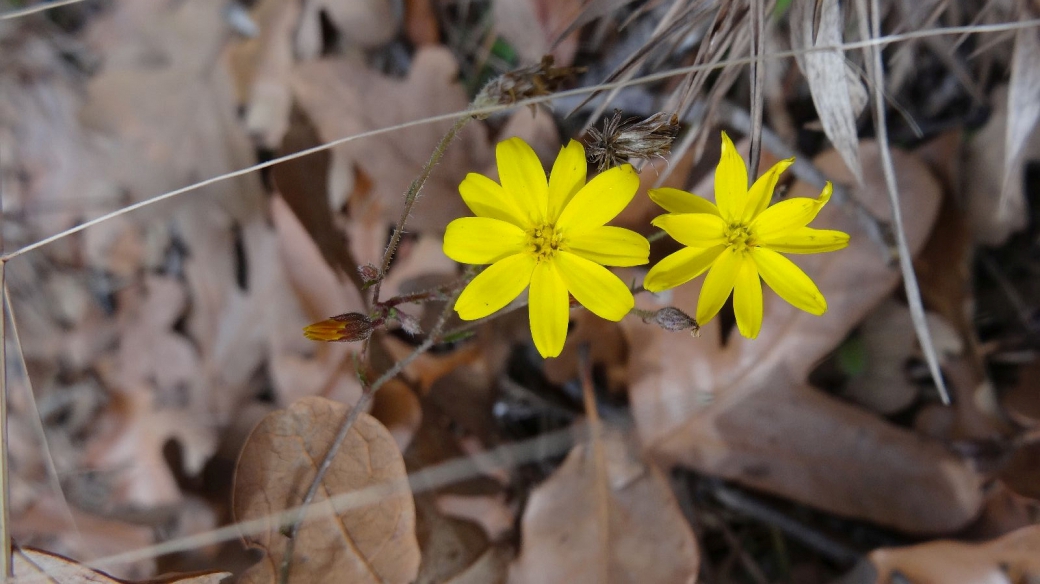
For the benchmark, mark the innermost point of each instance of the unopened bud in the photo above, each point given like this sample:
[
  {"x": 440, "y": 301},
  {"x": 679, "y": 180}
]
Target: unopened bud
[
  {"x": 672, "y": 319},
  {"x": 349, "y": 327},
  {"x": 369, "y": 274},
  {"x": 618, "y": 141}
]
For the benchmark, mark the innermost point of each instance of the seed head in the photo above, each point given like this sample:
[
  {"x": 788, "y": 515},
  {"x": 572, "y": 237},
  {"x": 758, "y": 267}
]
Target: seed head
[
  {"x": 618, "y": 141},
  {"x": 672, "y": 319},
  {"x": 526, "y": 82}
]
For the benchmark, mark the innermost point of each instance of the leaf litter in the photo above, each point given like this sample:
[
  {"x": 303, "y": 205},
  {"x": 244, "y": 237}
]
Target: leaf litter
[{"x": 157, "y": 341}]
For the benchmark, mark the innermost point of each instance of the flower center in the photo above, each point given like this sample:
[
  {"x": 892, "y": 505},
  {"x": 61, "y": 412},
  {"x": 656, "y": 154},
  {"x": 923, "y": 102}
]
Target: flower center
[
  {"x": 740, "y": 237},
  {"x": 544, "y": 241}
]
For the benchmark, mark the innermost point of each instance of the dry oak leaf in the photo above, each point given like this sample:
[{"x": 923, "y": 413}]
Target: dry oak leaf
[
  {"x": 343, "y": 97},
  {"x": 600, "y": 523},
  {"x": 39, "y": 567},
  {"x": 1014, "y": 557},
  {"x": 742, "y": 409},
  {"x": 373, "y": 542}
]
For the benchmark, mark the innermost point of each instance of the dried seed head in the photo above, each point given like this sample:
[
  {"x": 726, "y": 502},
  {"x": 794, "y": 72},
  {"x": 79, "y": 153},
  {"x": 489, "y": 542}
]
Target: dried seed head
[
  {"x": 672, "y": 319},
  {"x": 525, "y": 83},
  {"x": 618, "y": 141},
  {"x": 409, "y": 323},
  {"x": 349, "y": 327}
]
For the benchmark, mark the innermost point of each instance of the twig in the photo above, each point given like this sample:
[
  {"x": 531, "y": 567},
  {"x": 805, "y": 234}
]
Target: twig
[
  {"x": 758, "y": 75},
  {"x": 368, "y": 391},
  {"x": 6, "y": 566},
  {"x": 38, "y": 8},
  {"x": 410, "y": 197},
  {"x": 906, "y": 265}
]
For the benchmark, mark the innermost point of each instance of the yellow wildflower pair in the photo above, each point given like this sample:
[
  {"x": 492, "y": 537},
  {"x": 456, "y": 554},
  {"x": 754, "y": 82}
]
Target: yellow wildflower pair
[{"x": 551, "y": 235}]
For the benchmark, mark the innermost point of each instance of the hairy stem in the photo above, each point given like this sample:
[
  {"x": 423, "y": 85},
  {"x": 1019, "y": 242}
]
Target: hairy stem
[{"x": 410, "y": 197}]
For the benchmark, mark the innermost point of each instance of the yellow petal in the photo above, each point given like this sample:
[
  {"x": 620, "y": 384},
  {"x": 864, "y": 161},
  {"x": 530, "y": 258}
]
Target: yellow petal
[
  {"x": 806, "y": 240},
  {"x": 676, "y": 201},
  {"x": 567, "y": 177},
  {"x": 789, "y": 281},
  {"x": 594, "y": 286},
  {"x": 718, "y": 284},
  {"x": 495, "y": 287},
  {"x": 523, "y": 178},
  {"x": 611, "y": 246},
  {"x": 600, "y": 200},
  {"x": 549, "y": 310},
  {"x": 693, "y": 229},
  {"x": 730, "y": 182},
  {"x": 747, "y": 299},
  {"x": 480, "y": 240},
  {"x": 762, "y": 191},
  {"x": 487, "y": 198},
  {"x": 680, "y": 267},
  {"x": 789, "y": 215}
]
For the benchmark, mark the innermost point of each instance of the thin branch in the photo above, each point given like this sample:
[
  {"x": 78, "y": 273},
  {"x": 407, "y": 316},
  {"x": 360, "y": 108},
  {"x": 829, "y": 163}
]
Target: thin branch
[
  {"x": 6, "y": 567},
  {"x": 758, "y": 78},
  {"x": 483, "y": 111}
]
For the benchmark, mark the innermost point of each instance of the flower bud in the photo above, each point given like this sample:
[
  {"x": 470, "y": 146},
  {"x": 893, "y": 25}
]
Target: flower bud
[
  {"x": 672, "y": 319},
  {"x": 349, "y": 327},
  {"x": 369, "y": 274}
]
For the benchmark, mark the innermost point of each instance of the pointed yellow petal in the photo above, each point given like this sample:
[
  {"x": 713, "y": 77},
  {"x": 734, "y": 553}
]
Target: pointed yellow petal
[
  {"x": 789, "y": 281},
  {"x": 680, "y": 267},
  {"x": 611, "y": 246},
  {"x": 594, "y": 286},
  {"x": 806, "y": 240},
  {"x": 480, "y": 240},
  {"x": 549, "y": 310},
  {"x": 730, "y": 182},
  {"x": 676, "y": 201},
  {"x": 693, "y": 229},
  {"x": 486, "y": 198},
  {"x": 718, "y": 284},
  {"x": 600, "y": 200},
  {"x": 790, "y": 214},
  {"x": 523, "y": 178},
  {"x": 495, "y": 287},
  {"x": 762, "y": 191},
  {"x": 747, "y": 299},
  {"x": 567, "y": 177}
]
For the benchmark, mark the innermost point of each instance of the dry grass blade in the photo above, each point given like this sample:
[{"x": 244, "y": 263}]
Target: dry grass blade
[
  {"x": 758, "y": 77},
  {"x": 41, "y": 7},
  {"x": 875, "y": 70},
  {"x": 5, "y": 490},
  {"x": 827, "y": 76},
  {"x": 1023, "y": 106}
]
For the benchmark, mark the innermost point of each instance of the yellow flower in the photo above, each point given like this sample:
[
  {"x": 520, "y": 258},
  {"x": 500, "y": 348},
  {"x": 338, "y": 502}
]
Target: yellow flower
[
  {"x": 739, "y": 240},
  {"x": 546, "y": 234}
]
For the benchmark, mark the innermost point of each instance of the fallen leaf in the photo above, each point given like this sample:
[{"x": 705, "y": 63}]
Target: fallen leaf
[
  {"x": 372, "y": 543},
  {"x": 420, "y": 22},
  {"x": 360, "y": 23},
  {"x": 1022, "y": 106},
  {"x": 888, "y": 344},
  {"x": 491, "y": 513},
  {"x": 740, "y": 409},
  {"x": 38, "y": 566},
  {"x": 532, "y": 27},
  {"x": 343, "y": 97},
  {"x": 585, "y": 523},
  {"x": 396, "y": 406},
  {"x": 1012, "y": 558}
]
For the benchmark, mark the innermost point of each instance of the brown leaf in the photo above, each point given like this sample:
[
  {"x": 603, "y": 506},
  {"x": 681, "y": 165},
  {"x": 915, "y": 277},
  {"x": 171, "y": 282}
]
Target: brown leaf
[
  {"x": 420, "y": 22},
  {"x": 491, "y": 513},
  {"x": 742, "y": 410},
  {"x": 372, "y": 543},
  {"x": 1012, "y": 558},
  {"x": 360, "y": 23},
  {"x": 532, "y": 26},
  {"x": 38, "y": 567},
  {"x": 343, "y": 97},
  {"x": 396, "y": 406},
  {"x": 586, "y": 522}
]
